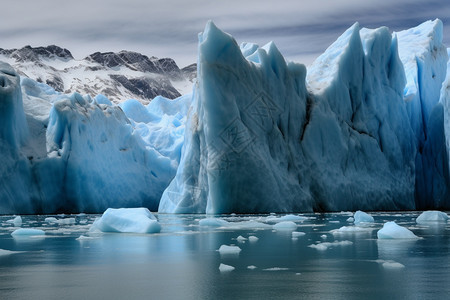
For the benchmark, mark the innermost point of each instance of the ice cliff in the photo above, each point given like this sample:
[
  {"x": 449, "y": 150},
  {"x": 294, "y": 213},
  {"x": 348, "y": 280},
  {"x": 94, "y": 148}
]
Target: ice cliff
[
  {"x": 365, "y": 127},
  {"x": 356, "y": 132}
]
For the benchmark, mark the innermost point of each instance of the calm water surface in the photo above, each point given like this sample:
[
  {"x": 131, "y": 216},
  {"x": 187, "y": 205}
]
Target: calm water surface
[{"x": 182, "y": 262}]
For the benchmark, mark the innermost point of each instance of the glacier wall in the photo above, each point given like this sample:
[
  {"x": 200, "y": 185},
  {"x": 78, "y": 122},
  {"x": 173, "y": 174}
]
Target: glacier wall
[
  {"x": 366, "y": 126},
  {"x": 15, "y": 175},
  {"x": 362, "y": 130}
]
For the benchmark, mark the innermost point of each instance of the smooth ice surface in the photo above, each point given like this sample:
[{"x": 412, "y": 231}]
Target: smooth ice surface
[
  {"x": 296, "y": 234},
  {"x": 129, "y": 220},
  {"x": 27, "y": 232},
  {"x": 326, "y": 245},
  {"x": 225, "y": 268},
  {"x": 226, "y": 249},
  {"x": 391, "y": 230},
  {"x": 253, "y": 239},
  {"x": 432, "y": 216},
  {"x": 285, "y": 225},
  {"x": 362, "y": 217},
  {"x": 214, "y": 222}
]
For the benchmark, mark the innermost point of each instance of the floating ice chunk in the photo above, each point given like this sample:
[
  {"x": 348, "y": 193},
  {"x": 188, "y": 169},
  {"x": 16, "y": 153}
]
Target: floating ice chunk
[
  {"x": 350, "y": 229},
  {"x": 213, "y": 222},
  {"x": 130, "y": 220},
  {"x": 296, "y": 234},
  {"x": 392, "y": 265},
  {"x": 225, "y": 268},
  {"x": 391, "y": 230},
  {"x": 252, "y": 267},
  {"x": 17, "y": 221},
  {"x": 27, "y": 232},
  {"x": 247, "y": 225},
  {"x": 84, "y": 238},
  {"x": 8, "y": 252},
  {"x": 293, "y": 218},
  {"x": 323, "y": 236},
  {"x": 253, "y": 239},
  {"x": 65, "y": 221},
  {"x": 324, "y": 246},
  {"x": 225, "y": 249},
  {"x": 432, "y": 216},
  {"x": 241, "y": 239},
  {"x": 276, "y": 269},
  {"x": 350, "y": 220},
  {"x": 362, "y": 217},
  {"x": 285, "y": 225}
]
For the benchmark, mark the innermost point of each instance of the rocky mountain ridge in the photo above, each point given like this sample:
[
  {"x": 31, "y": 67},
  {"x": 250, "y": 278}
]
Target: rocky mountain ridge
[{"x": 117, "y": 75}]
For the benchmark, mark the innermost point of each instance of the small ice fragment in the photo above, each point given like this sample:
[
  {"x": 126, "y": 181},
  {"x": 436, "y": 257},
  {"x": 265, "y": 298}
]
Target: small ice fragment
[
  {"x": 351, "y": 220},
  {"x": 129, "y": 220},
  {"x": 66, "y": 221},
  {"x": 323, "y": 236},
  {"x": 17, "y": 221},
  {"x": 27, "y": 232},
  {"x": 294, "y": 239},
  {"x": 324, "y": 246},
  {"x": 83, "y": 238},
  {"x": 432, "y": 216},
  {"x": 296, "y": 234},
  {"x": 285, "y": 225},
  {"x": 8, "y": 252},
  {"x": 241, "y": 239},
  {"x": 298, "y": 274},
  {"x": 392, "y": 265},
  {"x": 251, "y": 267},
  {"x": 391, "y": 230},
  {"x": 213, "y": 222},
  {"x": 362, "y": 217},
  {"x": 51, "y": 220},
  {"x": 253, "y": 239},
  {"x": 276, "y": 269},
  {"x": 225, "y": 268},
  {"x": 225, "y": 249}
]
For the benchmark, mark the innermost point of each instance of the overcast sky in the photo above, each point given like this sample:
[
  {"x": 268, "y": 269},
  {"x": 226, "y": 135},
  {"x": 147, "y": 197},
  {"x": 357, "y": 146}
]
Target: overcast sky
[{"x": 302, "y": 29}]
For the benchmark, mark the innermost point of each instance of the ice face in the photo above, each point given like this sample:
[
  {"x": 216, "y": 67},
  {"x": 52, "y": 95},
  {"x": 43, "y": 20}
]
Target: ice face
[
  {"x": 262, "y": 136},
  {"x": 97, "y": 160},
  {"x": 15, "y": 177}
]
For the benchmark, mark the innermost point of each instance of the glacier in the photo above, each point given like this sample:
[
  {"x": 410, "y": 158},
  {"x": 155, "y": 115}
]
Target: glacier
[
  {"x": 353, "y": 131},
  {"x": 365, "y": 127}
]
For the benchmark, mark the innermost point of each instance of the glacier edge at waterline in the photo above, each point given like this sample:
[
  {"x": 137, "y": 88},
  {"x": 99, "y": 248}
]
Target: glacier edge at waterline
[{"x": 363, "y": 128}]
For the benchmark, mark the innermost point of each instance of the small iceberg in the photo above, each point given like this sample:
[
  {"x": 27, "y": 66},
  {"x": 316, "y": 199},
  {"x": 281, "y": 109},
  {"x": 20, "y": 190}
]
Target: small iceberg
[
  {"x": 432, "y": 216},
  {"x": 391, "y": 230},
  {"x": 127, "y": 220}
]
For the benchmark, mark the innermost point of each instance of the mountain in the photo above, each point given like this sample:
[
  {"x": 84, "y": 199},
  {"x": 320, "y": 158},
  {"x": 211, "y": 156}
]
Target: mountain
[{"x": 118, "y": 76}]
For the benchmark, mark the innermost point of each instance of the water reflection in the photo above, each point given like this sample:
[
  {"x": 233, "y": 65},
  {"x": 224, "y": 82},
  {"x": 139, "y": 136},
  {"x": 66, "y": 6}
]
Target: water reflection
[{"x": 182, "y": 262}]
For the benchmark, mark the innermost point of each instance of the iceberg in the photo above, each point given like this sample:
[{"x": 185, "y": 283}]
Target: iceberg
[
  {"x": 127, "y": 220},
  {"x": 263, "y": 135},
  {"x": 362, "y": 217},
  {"x": 432, "y": 216},
  {"x": 391, "y": 230}
]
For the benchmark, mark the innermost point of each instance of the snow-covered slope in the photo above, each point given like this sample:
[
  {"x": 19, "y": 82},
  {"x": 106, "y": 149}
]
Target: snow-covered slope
[{"x": 118, "y": 76}]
